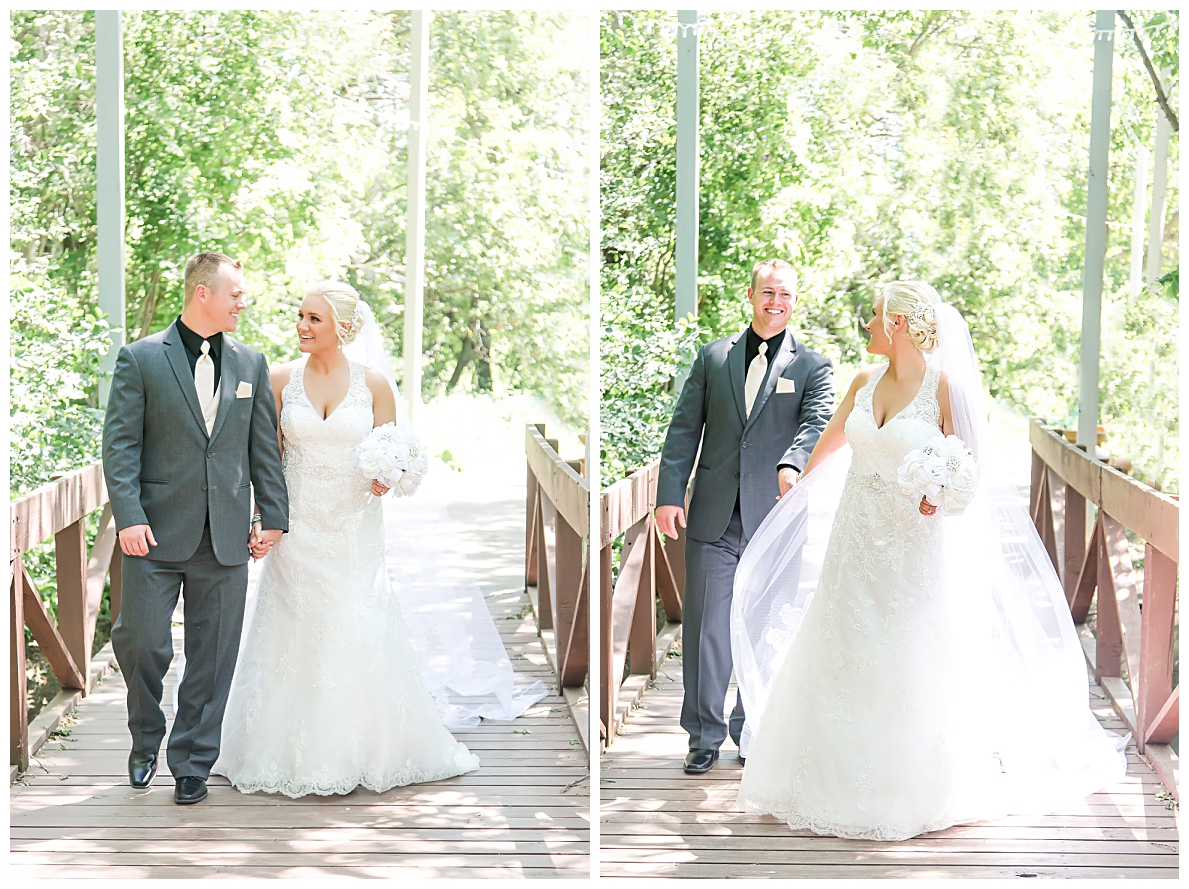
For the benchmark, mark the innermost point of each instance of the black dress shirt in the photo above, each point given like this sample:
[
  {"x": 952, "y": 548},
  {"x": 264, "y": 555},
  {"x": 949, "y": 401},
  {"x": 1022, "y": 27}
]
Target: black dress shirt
[
  {"x": 753, "y": 349},
  {"x": 193, "y": 343}
]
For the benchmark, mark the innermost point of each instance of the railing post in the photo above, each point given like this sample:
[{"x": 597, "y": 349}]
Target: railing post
[
  {"x": 17, "y": 692},
  {"x": 1108, "y": 642},
  {"x": 1075, "y": 539},
  {"x": 608, "y": 682},
  {"x": 71, "y": 556},
  {"x": 642, "y": 635},
  {"x": 531, "y": 519},
  {"x": 1154, "y": 684}
]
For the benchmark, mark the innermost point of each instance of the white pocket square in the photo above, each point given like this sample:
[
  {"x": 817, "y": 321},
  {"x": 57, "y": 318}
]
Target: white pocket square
[
  {"x": 243, "y": 390},
  {"x": 783, "y": 385}
]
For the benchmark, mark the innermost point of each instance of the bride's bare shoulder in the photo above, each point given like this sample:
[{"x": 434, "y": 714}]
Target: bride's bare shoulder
[
  {"x": 279, "y": 375},
  {"x": 863, "y": 377}
]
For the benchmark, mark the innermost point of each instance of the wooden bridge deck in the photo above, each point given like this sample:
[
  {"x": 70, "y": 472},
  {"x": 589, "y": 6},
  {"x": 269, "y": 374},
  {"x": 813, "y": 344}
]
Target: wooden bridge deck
[
  {"x": 523, "y": 814},
  {"x": 656, "y": 821}
]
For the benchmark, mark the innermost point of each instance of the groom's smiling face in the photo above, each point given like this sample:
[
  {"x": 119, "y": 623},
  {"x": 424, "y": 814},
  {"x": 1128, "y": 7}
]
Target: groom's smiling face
[{"x": 772, "y": 299}]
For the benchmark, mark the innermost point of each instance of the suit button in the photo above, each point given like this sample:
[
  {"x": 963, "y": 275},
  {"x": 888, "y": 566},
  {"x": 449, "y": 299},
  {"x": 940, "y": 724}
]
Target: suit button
[
  {"x": 736, "y": 476},
  {"x": 745, "y": 444},
  {"x": 210, "y": 454}
]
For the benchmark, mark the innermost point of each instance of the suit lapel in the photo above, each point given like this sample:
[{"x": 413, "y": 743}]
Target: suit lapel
[
  {"x": 735, "y": 360},
  {"x": 788, "y": 351},
  {"x": 228, "y": 367},
  {"x": 175, "y": 351}
]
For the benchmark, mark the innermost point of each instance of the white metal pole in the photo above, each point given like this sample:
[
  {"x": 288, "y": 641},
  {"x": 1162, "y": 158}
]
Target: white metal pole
[
  {"x": 1137, "y": 221},
  {"x": 415, "y": 224},
  {"x": 1159, "y": 192},
  {"x": 686, "y": 284},
  {"x": 109, "y": 182},
  {"x": 1095, "y": 258}
]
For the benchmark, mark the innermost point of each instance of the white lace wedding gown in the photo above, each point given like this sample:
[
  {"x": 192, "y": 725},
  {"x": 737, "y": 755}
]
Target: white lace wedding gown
[
  {"x": 880, "y": 723},
  {"x": 327, "y": 695}
]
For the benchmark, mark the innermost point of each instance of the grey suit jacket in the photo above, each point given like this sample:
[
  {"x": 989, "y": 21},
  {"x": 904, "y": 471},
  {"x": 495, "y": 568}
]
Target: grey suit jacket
[
  {"x": 163, "y": 470},
  {"x": 740, "y": 454}
]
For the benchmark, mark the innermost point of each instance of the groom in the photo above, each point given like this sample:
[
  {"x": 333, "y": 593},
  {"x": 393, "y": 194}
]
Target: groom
[
  {"x": 755, "y": 404},
  {"x": 190, "y": 429}
]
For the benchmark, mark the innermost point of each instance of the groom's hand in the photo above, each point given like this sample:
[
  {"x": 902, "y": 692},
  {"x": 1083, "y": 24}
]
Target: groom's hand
[
  {"x": 135, "y": 540},
  {"x": 786, "y": 478},
  {"x": 667, "y": 519}
]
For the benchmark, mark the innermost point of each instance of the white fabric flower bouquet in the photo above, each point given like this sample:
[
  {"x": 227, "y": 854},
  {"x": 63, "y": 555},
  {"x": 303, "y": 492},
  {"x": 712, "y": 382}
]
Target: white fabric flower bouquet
[
  {"x": 943, "y": 471},
  {"x": 394, "y": 456}
]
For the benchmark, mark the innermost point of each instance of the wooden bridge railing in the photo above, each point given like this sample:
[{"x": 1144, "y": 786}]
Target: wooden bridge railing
[
  {"x": 649, "y": 568},
  {"x": 556, "y": 563},
  {"x": 1131, "y": 648},
  {"x": 58, "y": 509}
]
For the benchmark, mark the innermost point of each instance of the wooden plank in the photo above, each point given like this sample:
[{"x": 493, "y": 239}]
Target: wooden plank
[
  {"x": 564, "y": 487},
  {"x": 417, "y": 868},
  {"x": 1149, "y": 513},
  {"x": 1074, "y": 531},
  {"x": 42, "y": 513}
]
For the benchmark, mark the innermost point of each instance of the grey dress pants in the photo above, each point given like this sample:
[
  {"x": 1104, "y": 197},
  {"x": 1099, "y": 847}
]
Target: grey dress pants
[
  {"x": 214, "y": 596},
  {"x": 706, "y": 636}
]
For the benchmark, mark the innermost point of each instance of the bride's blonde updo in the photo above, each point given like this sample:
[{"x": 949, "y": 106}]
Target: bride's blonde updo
[
  {"x": 915, "y": 300},
  {"x": 345, "y": 308}
]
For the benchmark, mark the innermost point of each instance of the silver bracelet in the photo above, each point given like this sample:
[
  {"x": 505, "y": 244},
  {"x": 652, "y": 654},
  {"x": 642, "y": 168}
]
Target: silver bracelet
[{"x": 255, "y": 519}]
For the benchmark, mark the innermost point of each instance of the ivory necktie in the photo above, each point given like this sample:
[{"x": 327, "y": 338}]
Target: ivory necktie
[
  {"x": 204, "y": 377},
  {"x": 755, "y": 377}
]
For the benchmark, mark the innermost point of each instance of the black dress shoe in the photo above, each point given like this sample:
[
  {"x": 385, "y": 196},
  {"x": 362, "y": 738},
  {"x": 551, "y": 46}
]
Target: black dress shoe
[
  {"x": 142, "y": 768},
  {"x": 698, "y": 762},
  {"x": 742, "y": 759},
  {"x": 189, "y": 790}
]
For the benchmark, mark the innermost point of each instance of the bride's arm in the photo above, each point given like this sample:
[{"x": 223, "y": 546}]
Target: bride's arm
[
  {"x": 279, "y": 377},
  {"x": 834, "y": 435},
  {"x": 943, "y": 402},
  {"x": 383, "y": 401}
]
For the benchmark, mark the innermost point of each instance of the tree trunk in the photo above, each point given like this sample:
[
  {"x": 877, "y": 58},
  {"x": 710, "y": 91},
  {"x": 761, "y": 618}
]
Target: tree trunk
[
  {"x": 483, "y": 381},
  {"x": 464, "y": 355}
]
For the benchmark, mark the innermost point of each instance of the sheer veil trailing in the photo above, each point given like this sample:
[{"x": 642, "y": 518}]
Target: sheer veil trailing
[
  {"x": 1032, "y": 657},
  {"x": 462, "y": 658}
]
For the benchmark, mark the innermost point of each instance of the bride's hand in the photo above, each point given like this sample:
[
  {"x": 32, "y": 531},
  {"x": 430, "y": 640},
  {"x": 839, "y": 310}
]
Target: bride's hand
[
  {"x": 926, "y": 507},
  {"x": 379, "y": 489}
]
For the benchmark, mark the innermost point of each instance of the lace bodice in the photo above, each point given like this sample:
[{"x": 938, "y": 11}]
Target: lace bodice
[
  {"x": 321, "y": 469},
  {"x": 879, "y": 450}
]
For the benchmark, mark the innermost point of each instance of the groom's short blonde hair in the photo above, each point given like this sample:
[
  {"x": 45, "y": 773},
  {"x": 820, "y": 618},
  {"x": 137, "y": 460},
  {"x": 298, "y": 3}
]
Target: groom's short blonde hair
[
  {"x": 774, "y": 265},
  {"x": 203, "y": 268}
]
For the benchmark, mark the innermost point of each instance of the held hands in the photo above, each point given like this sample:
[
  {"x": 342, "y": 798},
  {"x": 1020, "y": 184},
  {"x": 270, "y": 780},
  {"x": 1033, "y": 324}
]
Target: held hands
[
  {"x": 260, "y": 541},
  {"x": 786, "y": 478},
  {"x": 135, "y": 540},
  {"x": 667, "y": 519}
]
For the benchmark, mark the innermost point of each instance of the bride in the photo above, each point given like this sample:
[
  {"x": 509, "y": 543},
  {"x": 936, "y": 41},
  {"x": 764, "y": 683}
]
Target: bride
[
  {"x": 327, "y": 694},
  {"x": 913, "y": 671}
]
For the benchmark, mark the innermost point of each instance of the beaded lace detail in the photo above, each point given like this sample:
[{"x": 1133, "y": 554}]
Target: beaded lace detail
[
  {"x": 327, "y": 695},
  {"x": 857, "y": 739}
]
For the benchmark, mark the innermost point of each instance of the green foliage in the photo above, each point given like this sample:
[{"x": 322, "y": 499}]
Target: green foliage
[
  {"x": 949, "y": 146},
  {"x": 281, "y": 139}
]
